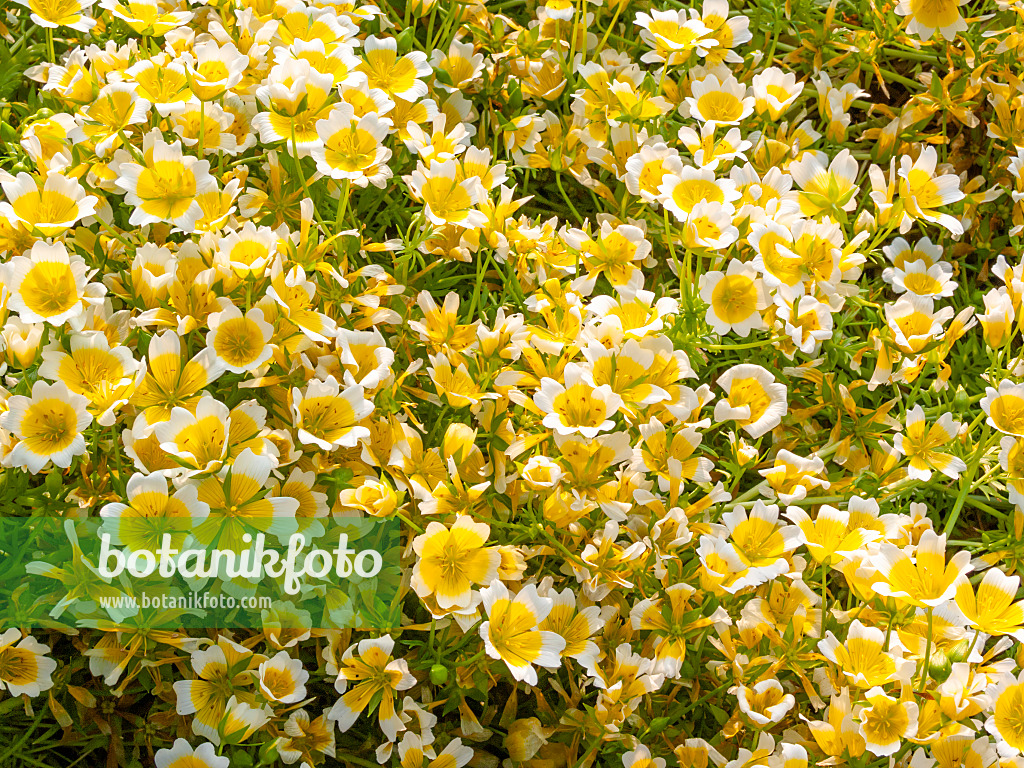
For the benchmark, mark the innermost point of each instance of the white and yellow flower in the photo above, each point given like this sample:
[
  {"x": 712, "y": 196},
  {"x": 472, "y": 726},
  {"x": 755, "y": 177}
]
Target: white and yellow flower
[
  {"x": 197, "y": 441},
  {"x": 735, "y": 299},
  {"x": 398, "y": 77},
  {"x": 241, "y": 343},
  {"x": 106, "y": 375},
  {"x": 720, "y": 102},
  {"x": 374, "y": 675},
  {"x": 753, "y": 399},
  {"x": 49, "y": 285},
  {"x": 165, "y": 187},
  {"x": 48, "y": 425},
  {"x": 49, "y": 210},
  {"x": 282, "y": 678},
  {"x": 920, "y": 575},
  {"x": 993, "y": 608},
  {"x": 328, "y": 417},
  {"x": 577, "y": 405},
  {"x": 511, "y": 633},
  {"x": 152, "y": 511},
  {"x": 808, "y": 321},
  {"x": 147, "y": 17},
  {"x": 998, "y": 318},
  {"x": 926, "y": 17},
  {"x": 646, "y": 170},
  {"x": 766, "y": 702},
  {"x": 353, "y": 148},
  {"x": 826, "y": 187},
  {"x": 681, "y": 192},
  {"x": 886, "y": 722},
  {"x": 641, "y": 758},
  {"x": 791, "y": 477},
  {"x": 214, "y": 69},
  {"x": 774, "y": 92},
  {"x": 1005, "y": 407},
  {"x": 922, "y": 191},
  {"x": 866, "y": 657},
  {"x": 25, "y": 669},
  {"x": 1006, "y": 722},
  {"x": 448, "y": 199},
  {"x": 673, "y": 36},
  {"x": 248, "y": 251},
  {"x": 52, "y": 14},
  {"x": 297, "y": 96},
  {"x": 183, "y": 755},
  {"x": 920, "y": 445},
  {"x": 460, "y": 65},
  {"x": 451, "y": 561}
]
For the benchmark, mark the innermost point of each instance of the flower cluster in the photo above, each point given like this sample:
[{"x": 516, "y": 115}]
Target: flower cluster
[{"x": 684, "y": 344}]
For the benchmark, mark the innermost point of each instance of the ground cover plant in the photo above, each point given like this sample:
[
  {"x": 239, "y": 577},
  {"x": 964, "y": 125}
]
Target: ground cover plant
[{"x": 684, "y": 344}]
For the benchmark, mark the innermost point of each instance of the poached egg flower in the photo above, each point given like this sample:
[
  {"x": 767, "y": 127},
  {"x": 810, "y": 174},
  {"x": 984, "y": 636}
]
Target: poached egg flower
[{"x": 48, "y": 425}]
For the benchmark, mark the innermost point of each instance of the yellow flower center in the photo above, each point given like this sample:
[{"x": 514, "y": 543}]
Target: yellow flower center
[
  {"x": 168, "y": 184},
  {"x": 749, "y": 392},
  {"x": 49, "y": 289},
  {"x": 734, "y": 298},
  {"x": 1008, "y": 413},
  {"x": 691, "y": 191},
  {"x": 326, "y": 417},
  {"x": 239, "y": 341},
  {"x": 18, "y": 666},
  {"x": 512, "y": 633},
  {"x": 720, "y": 106},
  {"x": 1009, "y": 716},
  {"x": 49, "y": 426},
  {"x": 578, "y": 407}
]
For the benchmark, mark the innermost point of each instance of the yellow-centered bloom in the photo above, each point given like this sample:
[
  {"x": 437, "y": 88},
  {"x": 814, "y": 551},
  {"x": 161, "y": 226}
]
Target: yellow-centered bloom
[
  {"x": 372, "y": 673},
  {"x": 452, "y": 561},
  {"x": 511, "y": 632},
  {"x": 48, "y": 285},
  {"x": 48, "y": 425}
]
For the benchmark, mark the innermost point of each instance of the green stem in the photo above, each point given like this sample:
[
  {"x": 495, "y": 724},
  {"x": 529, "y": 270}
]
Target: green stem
[
  {"x": 132, "y": 148},
  {"x": 302, "y": 176},
  {"x": 748, "y": 345},
  {"x": 927, "y": 650},
  {"x": 558, "y": 182},
  {"x": 481, "y": 272},
  {"x": 408, "y": 522},
  {"x": 607, "y": 32},
  {"x": 346, "y": 189},
  {"x": 49, "y": 45},
  {"x": 25, "y": 38},
  {"x": 901, "y": 79},
  {"x": 966, "y": 480},
  {"x": 594, "y": 745},
  {"x": 824, "y": 596}
]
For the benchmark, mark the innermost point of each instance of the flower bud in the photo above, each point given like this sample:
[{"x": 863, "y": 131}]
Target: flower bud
[{"x": 439, "y": 674}]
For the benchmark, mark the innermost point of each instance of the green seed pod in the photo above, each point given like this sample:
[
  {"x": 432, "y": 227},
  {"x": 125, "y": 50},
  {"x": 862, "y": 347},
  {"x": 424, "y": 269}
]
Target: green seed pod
[
  {"x": 405, "y": 40},
  {"x": 939, "y": 666},
  {"x": 958, "y": 651},
  {"x": 439, "y": 674},
  {"x": 960, "y": 400}
]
